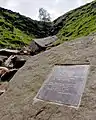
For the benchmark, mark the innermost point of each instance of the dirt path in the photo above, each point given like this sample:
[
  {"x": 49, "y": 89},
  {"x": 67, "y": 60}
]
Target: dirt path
[{"x": 17, "y": 102}]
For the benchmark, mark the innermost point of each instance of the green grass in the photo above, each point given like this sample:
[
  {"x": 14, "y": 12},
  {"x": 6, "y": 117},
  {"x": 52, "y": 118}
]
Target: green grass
[
  {"x": 11, "y": 37},
  {"x": 76, "y": 23},
  {"x": 17, "y": 30}
]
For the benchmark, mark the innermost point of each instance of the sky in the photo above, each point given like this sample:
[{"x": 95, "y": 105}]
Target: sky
[{"x": 30, "y": 8}]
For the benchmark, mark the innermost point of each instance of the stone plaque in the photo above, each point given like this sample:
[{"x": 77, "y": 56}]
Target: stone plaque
[{"x": 64, "y": 85}]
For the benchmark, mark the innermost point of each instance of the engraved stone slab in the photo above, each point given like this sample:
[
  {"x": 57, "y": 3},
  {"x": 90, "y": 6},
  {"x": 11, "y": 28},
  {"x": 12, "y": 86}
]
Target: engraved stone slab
[{"x": 64, "y": 85}]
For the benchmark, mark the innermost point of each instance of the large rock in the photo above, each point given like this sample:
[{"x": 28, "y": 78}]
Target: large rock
[
  {"x": 47, "y": 41},
  {"x": 38, "y": 45},
  {"x": 17, "y": 101}
]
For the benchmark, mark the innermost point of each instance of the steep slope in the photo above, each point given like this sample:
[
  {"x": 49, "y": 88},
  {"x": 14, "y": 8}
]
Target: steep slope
[
  {"x": 17, "y": 30},
  {"x": 76, "y": 23},
  {"x": 17, "y": 102}
]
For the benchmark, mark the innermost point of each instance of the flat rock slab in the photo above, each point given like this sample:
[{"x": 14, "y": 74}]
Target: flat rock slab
[{"x": 64, "y": 85}]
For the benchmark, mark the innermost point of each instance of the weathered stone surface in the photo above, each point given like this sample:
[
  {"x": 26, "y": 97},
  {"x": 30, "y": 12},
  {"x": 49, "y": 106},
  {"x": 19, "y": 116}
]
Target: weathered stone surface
[
  {"x": 18, "y": 99},
  {"x": 3, "y": 87},
  {"x": 38, "y": 45},
  {"x": 45, "y": 42},
  {"x": 64, "y": 85}
]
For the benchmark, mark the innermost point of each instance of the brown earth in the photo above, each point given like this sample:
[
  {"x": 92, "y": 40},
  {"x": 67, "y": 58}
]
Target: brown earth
[{"x": 17, "y": 102}]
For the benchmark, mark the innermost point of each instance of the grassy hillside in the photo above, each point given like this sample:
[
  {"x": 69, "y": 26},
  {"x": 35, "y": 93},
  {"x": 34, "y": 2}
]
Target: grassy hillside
[
  {"x": 76, "y": 23},
  {"x": 17, "y": 30}
]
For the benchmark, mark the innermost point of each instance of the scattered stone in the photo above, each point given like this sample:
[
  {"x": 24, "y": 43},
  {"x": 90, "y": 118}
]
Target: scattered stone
[
  {"x": 3, "y": 70},
  {"x": 38, "y": 45},
  {"x": 8, "y": 52},
  {"x": 14, "y": 62},
  {"x": 10, "y": 65},
  {"x": 8, "y": 75},
  {"x": 35, "y": 48},
  {"x": 8, "y": 62},
  {"x": 47, "y": 41}
]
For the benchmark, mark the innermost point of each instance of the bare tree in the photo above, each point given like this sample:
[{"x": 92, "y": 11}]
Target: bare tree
[{"x": 44, "y": 15}]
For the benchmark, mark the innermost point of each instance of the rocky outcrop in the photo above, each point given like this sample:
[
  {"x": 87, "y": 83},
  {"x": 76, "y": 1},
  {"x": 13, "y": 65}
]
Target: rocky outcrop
[
  {"x": 18, "y": 99},
  {"x": 38, "y": 45},
  {"x": 46, "y": 42}
]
